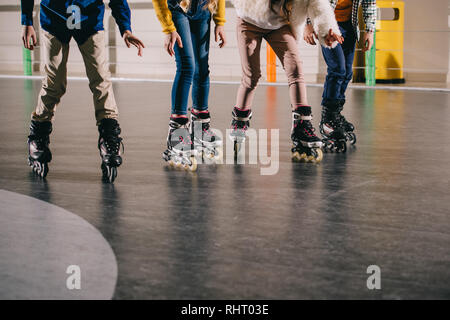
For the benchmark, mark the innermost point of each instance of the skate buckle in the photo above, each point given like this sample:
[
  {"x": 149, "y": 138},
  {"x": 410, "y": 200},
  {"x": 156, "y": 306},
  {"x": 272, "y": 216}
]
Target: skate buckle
[{"x": 299, "y": 116}]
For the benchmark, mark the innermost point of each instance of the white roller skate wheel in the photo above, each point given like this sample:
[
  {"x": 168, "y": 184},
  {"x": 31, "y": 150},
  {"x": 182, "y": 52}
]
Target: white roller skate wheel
[
  {"x": 193, "y": 166},
  {"x": 310, "y": 158},
  {"x": 352, "y": 137},
  {"x": 237, "y": 147},
  {"x": 111, "y": 174},
  {"x": 209, "y": 155},
  {"x": 304, "y": 157},
  {"x": 44, "y": 169},
  {"x": 38, "y": 168},
  {"x": 219, "y": 154},
  {"x": 177, "y": 163},
  {"x": 342, "y": 147},
  {"x": 319, "y": 157}
]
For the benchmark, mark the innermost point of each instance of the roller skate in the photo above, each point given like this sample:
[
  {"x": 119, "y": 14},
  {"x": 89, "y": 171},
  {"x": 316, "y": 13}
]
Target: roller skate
[
  {"x": 349, "y": 128},
  {"x": 206, "y": 142},
  {"x": 180, "y": 151},
  {"x": 39, "y": 154},
  {"x": 307, "y": 146},
  {"x": 239, "y": 125},
  {"x": 332, "y": 129},
  {"x": 109, "y": 146}
]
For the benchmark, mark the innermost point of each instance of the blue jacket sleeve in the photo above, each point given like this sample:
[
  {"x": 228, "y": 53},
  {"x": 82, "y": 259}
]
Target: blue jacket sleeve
[
  {"x": 122, "y": 14},
  {"x": 27, "y": 12}
]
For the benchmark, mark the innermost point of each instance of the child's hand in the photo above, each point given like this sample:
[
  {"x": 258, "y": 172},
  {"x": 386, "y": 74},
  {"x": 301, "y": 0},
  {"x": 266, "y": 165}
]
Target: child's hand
[
  {"x": 309, "y": 34},
  {"x": 169, "y": 43},
  {"x": 332, "y": 37},
  {"x": 219, "y": 33},
  {"x": 130, "y": 39},
  {"x": 368, "y": 41},
  {"x": 28, "y": 34}
]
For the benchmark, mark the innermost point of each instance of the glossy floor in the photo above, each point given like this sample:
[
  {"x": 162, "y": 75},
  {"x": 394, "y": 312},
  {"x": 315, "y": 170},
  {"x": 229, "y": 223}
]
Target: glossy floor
[{"x": 308, "y": 231}]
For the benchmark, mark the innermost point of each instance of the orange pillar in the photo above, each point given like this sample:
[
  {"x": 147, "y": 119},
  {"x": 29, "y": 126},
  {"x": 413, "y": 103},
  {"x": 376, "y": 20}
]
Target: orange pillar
[{"x": 271, "y": 65}]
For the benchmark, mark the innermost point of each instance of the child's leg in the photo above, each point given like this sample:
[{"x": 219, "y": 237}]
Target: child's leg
[
  {"x": 306, "y": 143},
  {"x": 336, "y": 74},
  {"x": 285, "y": 46},
  {"x": 53, "y": 88},
  {"x": 348, "y": 48},
  {"x": 94, "y": 57},
  {"x": 205, "y": 140},
  {"x": 249, "y": 39},
  {"x": 93, "y": 51},
  {"x": 54, "y": 84},
  {"x": 184, "y": 58},
  {"x": 334, "y": 98},
  {"x": 200, "y": 33},
  {"x": 333, "y": 125}
]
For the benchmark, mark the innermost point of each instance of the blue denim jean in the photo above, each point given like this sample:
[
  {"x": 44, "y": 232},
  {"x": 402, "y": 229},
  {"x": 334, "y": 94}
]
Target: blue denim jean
[
  {"x": 340, "y": 65},
  {"x": 191, "y": 60}
]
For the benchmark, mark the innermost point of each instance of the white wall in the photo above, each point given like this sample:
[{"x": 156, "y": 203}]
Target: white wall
[
  {"x": 10, "y": 43},
  {"x": 448, "y": 37},
  {"x": 426, "y": 40},
  {"x": 156, "y": 63},
  {"x": 225, "y": 62},
  {"x": 426, "y": 53}
]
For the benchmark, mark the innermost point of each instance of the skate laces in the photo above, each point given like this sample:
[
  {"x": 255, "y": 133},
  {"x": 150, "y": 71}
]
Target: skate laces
[
  {"x": 185, "y": 137},
  {"x": 113, "y": 144},
  {"x": 109, "y": 130},
  {"x": 241, "y": 119},
  {"x": 179, "y": 128},
  {"x": 40, "y": 141},
  {"x": 185, "y": 141},
  {"x": 240, "y": 125},
  {"x": 207, "y": 130},
  {"x": 204, "y": 118},
  {"x": 333, "y": 119},
  {"x": 40, "y": 133},
  {"x": 302, "y": 121},
  {"x": 341, "y": 119},
  {"x": 305, "y": 126}
]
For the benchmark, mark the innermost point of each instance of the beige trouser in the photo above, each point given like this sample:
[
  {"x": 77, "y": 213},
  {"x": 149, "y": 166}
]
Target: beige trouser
[
  {"x": 55, "y": 81},
  {"x": 283, "y": 42}
]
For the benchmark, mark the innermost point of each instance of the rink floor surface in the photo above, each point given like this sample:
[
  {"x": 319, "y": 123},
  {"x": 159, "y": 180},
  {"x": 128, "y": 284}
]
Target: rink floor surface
[{"x": 228, "y": 232}]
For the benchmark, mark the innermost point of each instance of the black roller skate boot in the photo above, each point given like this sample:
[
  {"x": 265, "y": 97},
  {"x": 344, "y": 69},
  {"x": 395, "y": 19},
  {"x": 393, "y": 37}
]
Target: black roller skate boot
[
  {"x": 206, "y": 142},
  {"x": 348, "y": 126},
  {"x": 39, "y": 154},
  {"x": 307, "y": 146},
  {"x": 239, "y": 125},
  {"x": 110, "y": 146},
  {"x": 180, "y": 151},
  {"x": 331, "y": 128}
]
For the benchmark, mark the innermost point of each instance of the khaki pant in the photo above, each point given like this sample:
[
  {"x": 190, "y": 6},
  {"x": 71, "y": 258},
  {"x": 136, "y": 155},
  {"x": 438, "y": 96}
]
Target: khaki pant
[
  {"x": 54, "y": 84},
  {"x": 283, "y": 42}
]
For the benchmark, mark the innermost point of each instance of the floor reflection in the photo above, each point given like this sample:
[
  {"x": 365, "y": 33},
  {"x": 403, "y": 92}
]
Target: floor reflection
[
  {"x": 111, "y": 209},
  {"x": 189, "y": 207},
  {"x": 39, "y": 188}
]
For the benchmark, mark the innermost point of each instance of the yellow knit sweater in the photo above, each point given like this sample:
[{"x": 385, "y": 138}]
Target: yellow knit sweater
[{"x": 165, "y": 16}]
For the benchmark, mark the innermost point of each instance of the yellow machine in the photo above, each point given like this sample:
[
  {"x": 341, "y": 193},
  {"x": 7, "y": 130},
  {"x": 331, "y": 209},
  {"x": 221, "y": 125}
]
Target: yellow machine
[{"x": 389, "y": 45}]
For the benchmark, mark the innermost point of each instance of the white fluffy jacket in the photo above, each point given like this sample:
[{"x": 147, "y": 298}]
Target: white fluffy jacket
[{"x": 320, "y": 12}]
